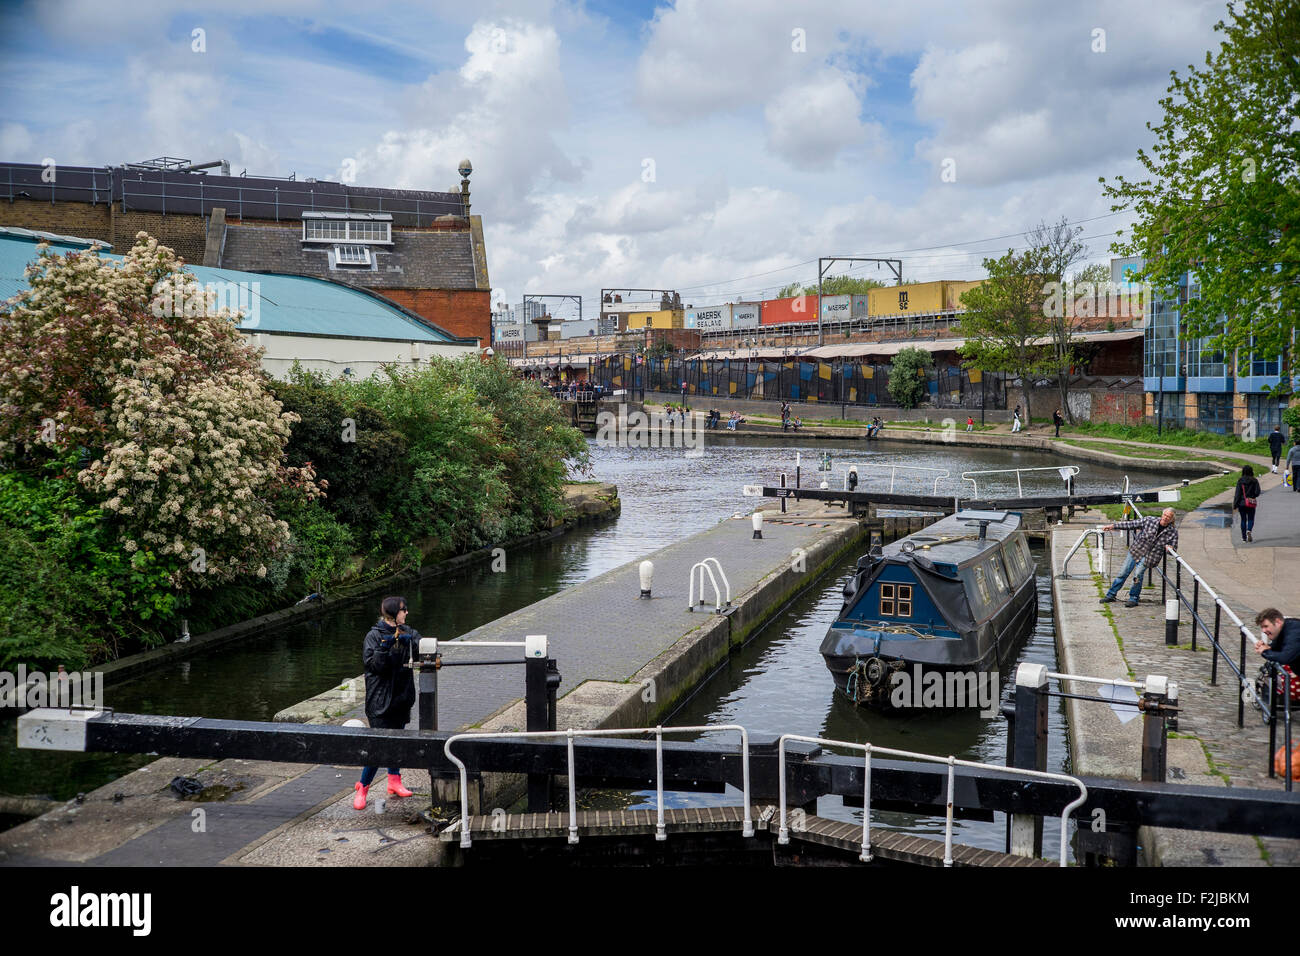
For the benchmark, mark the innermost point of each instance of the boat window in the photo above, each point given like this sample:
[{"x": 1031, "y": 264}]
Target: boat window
[
  {"x": 982, "y": 584},
  {"x": 896, "y": 600},
  {"x": 998, "y": 577}
]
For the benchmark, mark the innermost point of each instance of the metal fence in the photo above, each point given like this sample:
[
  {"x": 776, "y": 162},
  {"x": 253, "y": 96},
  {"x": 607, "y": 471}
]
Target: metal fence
[{"x": 794, "y": 380}]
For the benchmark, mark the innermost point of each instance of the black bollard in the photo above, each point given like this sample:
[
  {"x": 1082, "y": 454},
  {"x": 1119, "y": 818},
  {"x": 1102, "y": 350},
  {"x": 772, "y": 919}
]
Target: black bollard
[
  {"x": 1030, "y": 751},
  {"x": 1171, "y": 622},
  {"x": 536, "y": 701},
  {"x": 1154, "y": 734}
]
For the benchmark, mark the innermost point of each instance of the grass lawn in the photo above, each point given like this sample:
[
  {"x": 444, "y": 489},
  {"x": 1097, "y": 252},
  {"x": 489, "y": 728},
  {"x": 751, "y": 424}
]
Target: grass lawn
[
  {"x": 1162, "y": 454},
  {"x": 1171, "y": 436},
  {"x": 1193, "y": 496}
]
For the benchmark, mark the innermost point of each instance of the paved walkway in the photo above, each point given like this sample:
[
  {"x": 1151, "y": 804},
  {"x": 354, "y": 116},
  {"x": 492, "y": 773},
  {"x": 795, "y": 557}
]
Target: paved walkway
[{"x": 1219, "y": 751}]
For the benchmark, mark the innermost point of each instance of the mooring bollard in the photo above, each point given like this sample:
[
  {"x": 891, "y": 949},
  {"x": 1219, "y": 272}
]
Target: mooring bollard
[
  {"x": 1030, "y": 751},
  {"x": 536, "y": 700},
  {"x": 428, "y": 664},
  {"x": 1171, "y": 622},
  {"x": 783, "y": 496},
  {"x": 758, "y": 525},
  {"x": 647, "y": 573},
  {"x": 1155, "y": 703}
]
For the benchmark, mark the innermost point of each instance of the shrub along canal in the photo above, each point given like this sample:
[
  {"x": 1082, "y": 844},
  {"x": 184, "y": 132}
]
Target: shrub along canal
[{"x": 778, "y": 683}]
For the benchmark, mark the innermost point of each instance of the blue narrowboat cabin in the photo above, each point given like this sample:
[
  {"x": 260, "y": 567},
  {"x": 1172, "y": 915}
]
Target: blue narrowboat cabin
[{"x": 960, "y": 595}]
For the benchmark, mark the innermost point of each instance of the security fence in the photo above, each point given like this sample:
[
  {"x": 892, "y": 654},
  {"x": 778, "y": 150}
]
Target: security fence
[{"x": 794, "y": 380}]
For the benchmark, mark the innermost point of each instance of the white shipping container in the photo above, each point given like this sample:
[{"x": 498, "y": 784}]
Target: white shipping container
[
  {"x": 744, "y": 315},
  {"x": 573, "y": 330},
  {"x": 509, "y": 333},
  {"x": 835, "y": 308},
  {"x": 709, "y": 318}
]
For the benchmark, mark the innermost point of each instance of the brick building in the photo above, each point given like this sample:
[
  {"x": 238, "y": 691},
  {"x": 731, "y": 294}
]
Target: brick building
[{"x": 421, "y": 250}]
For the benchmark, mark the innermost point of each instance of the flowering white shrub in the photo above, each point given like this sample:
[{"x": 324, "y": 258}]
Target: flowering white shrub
[{"x": 185, "y": 442}]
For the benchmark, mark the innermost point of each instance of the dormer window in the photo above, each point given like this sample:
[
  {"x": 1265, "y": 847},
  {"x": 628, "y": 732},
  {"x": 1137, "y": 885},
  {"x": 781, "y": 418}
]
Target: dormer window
[
  {"x": 351, "y": 255},
  {"x": 363, "y": 227}
]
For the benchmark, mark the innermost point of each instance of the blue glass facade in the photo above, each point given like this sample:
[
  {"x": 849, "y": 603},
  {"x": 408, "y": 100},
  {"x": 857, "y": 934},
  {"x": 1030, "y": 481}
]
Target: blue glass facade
[{"x": 1174, "y": 365}]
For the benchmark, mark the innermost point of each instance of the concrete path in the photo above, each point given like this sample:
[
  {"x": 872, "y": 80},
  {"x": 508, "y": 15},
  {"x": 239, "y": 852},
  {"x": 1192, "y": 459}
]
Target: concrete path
[{"x": 601, "y": 634}]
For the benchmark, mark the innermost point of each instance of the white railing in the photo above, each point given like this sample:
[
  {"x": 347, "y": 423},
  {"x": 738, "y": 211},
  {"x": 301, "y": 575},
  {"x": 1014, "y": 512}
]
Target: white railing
[
  {"x": 1066, "y": 472},
  {"x": 783, "y": 835},
  {"x": 661, "y": 833},
  {"x": 1101, "y": 543},
  {"x": 939, "y": 474},
  {"x": 707, "y": 565}
]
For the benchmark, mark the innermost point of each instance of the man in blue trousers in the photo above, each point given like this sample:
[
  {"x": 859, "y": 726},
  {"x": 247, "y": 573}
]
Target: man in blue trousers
[{"x": 1154, "y": 536}]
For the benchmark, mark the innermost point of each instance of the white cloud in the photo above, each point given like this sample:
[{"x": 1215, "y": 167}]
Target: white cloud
[{"x": 810, "y": 124}]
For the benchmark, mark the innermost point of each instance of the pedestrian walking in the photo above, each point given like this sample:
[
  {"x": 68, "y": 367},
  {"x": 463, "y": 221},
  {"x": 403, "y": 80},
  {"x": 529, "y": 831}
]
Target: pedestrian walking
[
  {"x": 1015, "y": 420},
  {"x": 1154, "y": 536},
  {"x": 390, "y": 686},
  {"x": 1275, "y": 443},
  {"x": 1293, "y": 463},
  {"x": 1245, "y": 499},
  {"x": 970, "y": 424},
  {"x": 1058, "y": 421}
]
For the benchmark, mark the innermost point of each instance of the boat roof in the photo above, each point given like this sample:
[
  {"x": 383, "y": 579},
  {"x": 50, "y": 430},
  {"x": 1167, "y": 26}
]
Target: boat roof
[{"x": 955, "y": 539}]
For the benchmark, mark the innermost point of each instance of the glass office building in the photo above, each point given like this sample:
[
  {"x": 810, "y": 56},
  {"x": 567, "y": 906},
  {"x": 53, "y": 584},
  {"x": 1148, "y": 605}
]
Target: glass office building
[{"x": 1190, "y": 386}]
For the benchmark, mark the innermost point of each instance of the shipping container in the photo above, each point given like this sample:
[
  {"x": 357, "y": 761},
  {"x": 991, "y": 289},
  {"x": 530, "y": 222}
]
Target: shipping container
[
  {"x": 952, "y": 294},
  {"x": 836, "y": 308},
  {"x": 709, "y": 318},
  {"x": 744, "y": 315},
  {"x": 860, "y": 309},
  {"x": 577, "y": 329},
  {"x": 508, "y": 333},
  {"x": 916, "y": 298},
  {"x": 802, "y": 308},
  {"x": 659, "y": 319}
]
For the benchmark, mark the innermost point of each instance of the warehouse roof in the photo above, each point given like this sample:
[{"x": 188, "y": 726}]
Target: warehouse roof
[{"x": 298, "y": 305}]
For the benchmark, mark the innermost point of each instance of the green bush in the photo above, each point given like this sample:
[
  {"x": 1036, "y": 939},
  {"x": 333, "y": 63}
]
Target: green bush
[{"x": 907, "y": 377}]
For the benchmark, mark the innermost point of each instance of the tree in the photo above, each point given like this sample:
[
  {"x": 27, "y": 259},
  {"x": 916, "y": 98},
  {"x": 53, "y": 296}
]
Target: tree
[
  {"x": 1004, "y": 323},
  {"x": 165, "y": 410},
  {"x": 1222, "y": 195},
  {"x": 831, "y": 285},
  {"x": 1058, "y": 250},
  {"x": 908, "y": 375}
]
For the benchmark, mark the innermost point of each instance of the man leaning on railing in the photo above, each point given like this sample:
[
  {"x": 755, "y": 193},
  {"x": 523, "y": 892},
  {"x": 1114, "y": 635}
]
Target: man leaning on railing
[{"x": 1154, "y": 536}]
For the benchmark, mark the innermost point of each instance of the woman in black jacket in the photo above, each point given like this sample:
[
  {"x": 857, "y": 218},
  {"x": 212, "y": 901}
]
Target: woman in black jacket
[
  {"x": 390, "y": 686},
  {"x": 1244, "y": 500}
]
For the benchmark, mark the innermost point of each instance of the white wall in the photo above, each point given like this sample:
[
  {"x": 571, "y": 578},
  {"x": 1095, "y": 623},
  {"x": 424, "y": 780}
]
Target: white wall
[{"x": 332, "y": 356}]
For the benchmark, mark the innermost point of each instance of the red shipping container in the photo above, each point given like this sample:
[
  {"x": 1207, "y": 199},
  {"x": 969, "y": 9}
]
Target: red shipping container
[{"x": 802, "y": 308}]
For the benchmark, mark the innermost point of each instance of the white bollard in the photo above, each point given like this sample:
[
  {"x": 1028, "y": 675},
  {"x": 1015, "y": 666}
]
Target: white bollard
[
  {"x": 647, "y": 572},
  {"x": 1171, "y": 622},
  {"x": 758, "y": 526}
]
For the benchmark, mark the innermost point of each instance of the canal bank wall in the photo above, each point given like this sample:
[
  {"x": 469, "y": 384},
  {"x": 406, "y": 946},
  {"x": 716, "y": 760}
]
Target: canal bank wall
[{"x": 588, "y": 503}]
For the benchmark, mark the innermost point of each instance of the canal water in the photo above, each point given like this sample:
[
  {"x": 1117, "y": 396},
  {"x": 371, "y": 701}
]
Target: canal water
[{"x": 776, "y": 684}]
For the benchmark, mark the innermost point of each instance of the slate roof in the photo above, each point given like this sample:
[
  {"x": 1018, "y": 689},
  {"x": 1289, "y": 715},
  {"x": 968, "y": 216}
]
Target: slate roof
[
  {"x": 298, "y": 305},
  {"x": 415, "y": 260}
]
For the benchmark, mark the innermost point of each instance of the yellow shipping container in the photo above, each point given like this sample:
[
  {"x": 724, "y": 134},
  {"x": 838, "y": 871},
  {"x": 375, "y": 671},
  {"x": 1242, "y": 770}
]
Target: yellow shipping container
[
  {"x": 661, "y": 319},
  {"x": 917, "y": 298},
  {"x": 952, "y": 294}
]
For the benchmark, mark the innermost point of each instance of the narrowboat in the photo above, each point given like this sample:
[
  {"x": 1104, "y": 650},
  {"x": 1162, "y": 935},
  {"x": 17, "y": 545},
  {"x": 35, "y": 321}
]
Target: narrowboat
[{"x": 955, "y": 599}]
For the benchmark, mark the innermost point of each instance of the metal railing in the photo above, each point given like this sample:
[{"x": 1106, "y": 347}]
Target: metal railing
[
  {"x": 1101, "y": 543},
  {"x": 1067, "y": 472},
  {"x": 939, "y": 474},
  {"x": 570, "y": 734},
  {"x": 783, "y": 836},
  {"x": 707, "y": 565}
]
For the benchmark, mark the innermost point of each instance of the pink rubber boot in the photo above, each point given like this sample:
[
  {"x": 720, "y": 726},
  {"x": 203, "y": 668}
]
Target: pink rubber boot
[
  {"x": 359, "y": 801},
  {"x": 395, "y": 788}
]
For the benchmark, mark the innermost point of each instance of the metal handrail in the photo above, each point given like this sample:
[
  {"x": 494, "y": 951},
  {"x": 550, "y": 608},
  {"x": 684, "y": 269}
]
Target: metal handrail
[
  {"x": 966, "y": 475},
  {"x": 783, "y": 836},
  {"x": 939, "y": 473},
  {"x": 1101, "y": 543},
  {"x": 660, "y": 832},
  {"x": 1267, "y": 709},
  {"x": 708, "y": 564}
]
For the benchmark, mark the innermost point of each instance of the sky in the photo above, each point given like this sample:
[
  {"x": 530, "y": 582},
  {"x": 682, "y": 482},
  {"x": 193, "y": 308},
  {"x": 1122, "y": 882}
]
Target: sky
[{"x": 714, "y": 147}]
